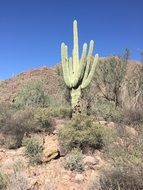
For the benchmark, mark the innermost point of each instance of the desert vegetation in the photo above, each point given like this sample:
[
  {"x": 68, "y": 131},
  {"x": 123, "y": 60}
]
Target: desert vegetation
[{"x": 47, "y": 142}]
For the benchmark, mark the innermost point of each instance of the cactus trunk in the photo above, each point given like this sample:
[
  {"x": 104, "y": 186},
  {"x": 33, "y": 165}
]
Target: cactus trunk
[{"x": 75, "y": 96}]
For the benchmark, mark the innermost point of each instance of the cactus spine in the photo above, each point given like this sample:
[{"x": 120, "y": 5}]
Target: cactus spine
[{"x": 77, "y": 72}]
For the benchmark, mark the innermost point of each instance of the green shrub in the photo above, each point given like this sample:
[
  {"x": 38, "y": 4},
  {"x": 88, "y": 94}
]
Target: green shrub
[
  {"x": 33, "y": 150},
  {"x": 81, "y": 132},
  {"x": 107, "y": 110},
  {"x": 65, "y": 112},
  {"x": 43, "y": 120},
  {"x": 127, "y": 150},
  {"x": 74, "y": 161},
  {"x": 32, "y": 94},
  {"x": 60, "y": 112}
]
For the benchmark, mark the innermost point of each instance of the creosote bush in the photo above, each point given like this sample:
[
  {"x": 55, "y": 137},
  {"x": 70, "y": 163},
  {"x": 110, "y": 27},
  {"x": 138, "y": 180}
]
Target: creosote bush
[
  {"x": 74, "y": 161},
  {"x": 33, "y": 150},
  {"x": 81, "y": 132}
]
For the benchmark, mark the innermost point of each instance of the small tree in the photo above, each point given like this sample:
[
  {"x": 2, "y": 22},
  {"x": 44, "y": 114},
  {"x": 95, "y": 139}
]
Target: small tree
[{"x": 109, "y": 75}]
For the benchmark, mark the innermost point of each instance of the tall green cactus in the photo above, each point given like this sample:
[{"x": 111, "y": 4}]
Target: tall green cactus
[{"x": 77, "y": 72}]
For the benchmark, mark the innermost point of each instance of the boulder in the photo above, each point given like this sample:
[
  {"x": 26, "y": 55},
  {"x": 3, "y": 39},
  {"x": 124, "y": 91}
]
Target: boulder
[
  {"x": 89, "y": 160},
  {"x": 50, "y": 153},
  {"x": 79, "y": 178},
  {"x": 130, "y": 131},
  {"x": 111, "y": 125}
]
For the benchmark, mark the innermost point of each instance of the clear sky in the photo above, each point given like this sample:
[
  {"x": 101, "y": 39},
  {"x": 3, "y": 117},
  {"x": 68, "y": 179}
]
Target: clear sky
[{"x": 31, "y": 31}]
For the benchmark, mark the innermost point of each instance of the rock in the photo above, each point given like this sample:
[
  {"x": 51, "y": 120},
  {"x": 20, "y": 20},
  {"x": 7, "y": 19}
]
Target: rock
[
  {"x": 131, "y": 132},
  {"x": 20, "y": 151},
  {"x": 73, "y": 187},
  {"x": 103, "y": 122},
  {"x": 50, "y": 148},
  {"x": 50, "y": 154},
  {"x": 100, "y": 118},
  {"x": 99, "y": 161},
  {"x": 66, "y": 177},
  {"x": 111, "y": 125},
  {"x": 89, "y": 160},
  {"x": 79, "y": 178},
  {"x": 2, "y": 154},
  {"x": 34, "y": 183},
  {"x": 55, "y": 132},
  {"x": 62, "y": 151}
]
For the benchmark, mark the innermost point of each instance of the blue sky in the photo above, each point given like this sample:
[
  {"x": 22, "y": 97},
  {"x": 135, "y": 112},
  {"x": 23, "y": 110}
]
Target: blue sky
[{"x": 31, "y": 31}]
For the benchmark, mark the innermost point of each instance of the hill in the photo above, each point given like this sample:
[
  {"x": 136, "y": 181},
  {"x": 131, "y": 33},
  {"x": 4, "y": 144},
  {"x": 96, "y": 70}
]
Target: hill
[
  {"x": 43, "y": 148},
  {"x": 117, "y": 83}
]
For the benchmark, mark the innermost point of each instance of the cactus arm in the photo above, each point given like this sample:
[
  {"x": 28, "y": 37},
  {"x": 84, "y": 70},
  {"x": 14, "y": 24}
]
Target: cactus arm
[
  {"x": 83, "y": 60},
  {"x": 71, "y": 71},
  {"x": 79, "y": 74},
  {"x": 91, "y": 73},
  {"x": 75, "y": 47},
  {"x": 89, "y": 56},
  {"x": 65, "y": 64}
]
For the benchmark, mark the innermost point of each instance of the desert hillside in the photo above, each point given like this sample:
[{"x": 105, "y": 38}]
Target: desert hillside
[
  {"x": 51, "y": 78},
  {"x": 42, "y": 147}
]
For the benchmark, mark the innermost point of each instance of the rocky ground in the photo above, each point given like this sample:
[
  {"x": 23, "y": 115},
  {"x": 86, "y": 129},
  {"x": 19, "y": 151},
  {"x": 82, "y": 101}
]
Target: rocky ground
[{"x": 51, "y": 174}]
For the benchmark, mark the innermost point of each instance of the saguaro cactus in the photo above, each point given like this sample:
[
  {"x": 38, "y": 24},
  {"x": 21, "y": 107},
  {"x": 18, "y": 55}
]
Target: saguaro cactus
[{"x": 77, "y": 72}]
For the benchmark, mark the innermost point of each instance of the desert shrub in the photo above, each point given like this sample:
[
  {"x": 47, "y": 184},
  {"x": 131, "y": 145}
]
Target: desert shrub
[
  {"x": 109, "y": 75},
  {"x": 65, "y": 112},
  {"x": 64, "y": 88},
  {"x": 74, "y": 161},
  {"x": 43, "y": 120},
  {"x": 15, "y": 127},
  {"x": 3, "y": 181},
  {"x": 60, "y": 112},
  {"x": 6, "y": 110},
  {"x": 33, "y": 150},
  {"x": 18, "y": 181},
  {"x": 44, "y": 117},
  {"x": 133, "y": 116},
  {"x": 127, "y": 150},
  {"x": 107, "y": 110},
  {"x": 122, "y": 178},
  {"x": 81, "y": 132},
  {"x": 133, "y": 96},
  {"x": 32, "y": 94}
]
